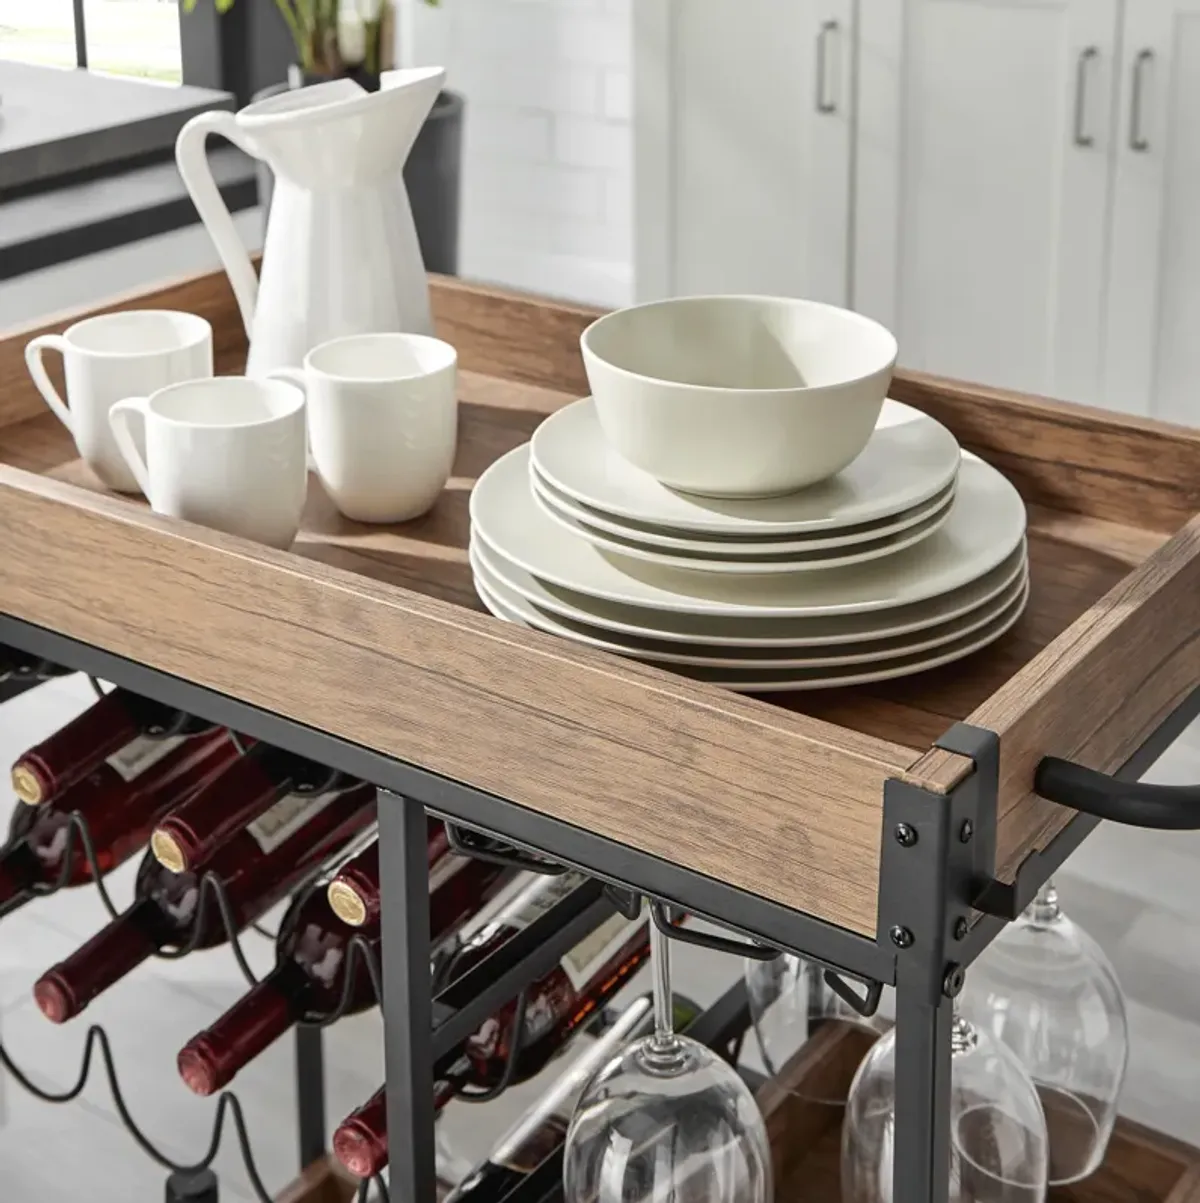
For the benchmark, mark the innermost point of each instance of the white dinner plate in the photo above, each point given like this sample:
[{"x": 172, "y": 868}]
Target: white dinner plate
[
  {"x": 732, "y": 545},
  {"x": 755, "y": 679},
  {"x": 707, "y": 561},
  {"x": 986, "y": 523},
  {"x": 509, "y": 604},
  {"x": 910, "y": 458},
  {"x": 666, "y": 626}
]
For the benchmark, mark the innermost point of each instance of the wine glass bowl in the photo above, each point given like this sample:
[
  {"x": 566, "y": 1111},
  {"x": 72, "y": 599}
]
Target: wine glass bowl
[
  {"x": 789, "y": 1002},
  {"x": 667, "y": 1119},
  {"x": 1045, "y": 989},
  {"x": 998, "y": 1139}
]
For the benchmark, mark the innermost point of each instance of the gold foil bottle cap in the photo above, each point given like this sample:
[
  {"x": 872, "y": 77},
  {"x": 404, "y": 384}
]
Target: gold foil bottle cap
[
  {"x": 346, "y": 903},
  {"x": 27, "y": 786},
  {"x": 167, "y": 851}
]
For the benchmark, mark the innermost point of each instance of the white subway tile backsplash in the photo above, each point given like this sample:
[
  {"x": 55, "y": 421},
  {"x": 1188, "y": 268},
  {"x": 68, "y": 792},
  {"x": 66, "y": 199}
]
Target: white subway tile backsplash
[
  {"x": 533, "y": 188},
  {"x": 514, "y": 81},
  {"x": 587, "y": 142},
  {"x": 511, "y": 135},
  {"x": 618, "y": 94},
  {"x": 542, "y": 33},
  {"x": 548, "y": 152}
]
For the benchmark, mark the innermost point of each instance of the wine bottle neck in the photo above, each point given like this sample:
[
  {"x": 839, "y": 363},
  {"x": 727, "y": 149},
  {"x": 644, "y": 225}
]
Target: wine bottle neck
[
  {"x": 113, "y": 952},
  {"x": 210, "y": 1060}
]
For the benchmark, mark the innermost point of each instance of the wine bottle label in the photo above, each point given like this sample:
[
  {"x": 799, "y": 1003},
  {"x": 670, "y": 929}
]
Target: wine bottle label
[
  {"x": 141, "y": 754},
  {"x": 539, "y": 896},
  {"x": 593, "y": 952},
  {"x": 287, "y": 816}
]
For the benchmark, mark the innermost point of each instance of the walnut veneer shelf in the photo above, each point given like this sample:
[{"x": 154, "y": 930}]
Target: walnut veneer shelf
[{"x": 374, "y": 634}]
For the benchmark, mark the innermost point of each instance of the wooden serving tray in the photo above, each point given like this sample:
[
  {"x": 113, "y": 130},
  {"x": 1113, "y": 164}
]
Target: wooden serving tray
[
  {"x": 375, "y": 635},
  {"x": 1141, "y": 1166}
]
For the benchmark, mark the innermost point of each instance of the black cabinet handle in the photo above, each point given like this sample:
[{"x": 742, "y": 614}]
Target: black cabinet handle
[{"x": 1136, "y": 804}]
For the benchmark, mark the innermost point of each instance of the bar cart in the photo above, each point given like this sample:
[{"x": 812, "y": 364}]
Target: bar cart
[{"x": 887, "y": 832}]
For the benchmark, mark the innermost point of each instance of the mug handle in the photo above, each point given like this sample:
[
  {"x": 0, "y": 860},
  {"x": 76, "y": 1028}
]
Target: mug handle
[
  {"x": 34, "y": 350},
  {"x": 118, "y": 421},
  {"x": 300, "y": 380}
]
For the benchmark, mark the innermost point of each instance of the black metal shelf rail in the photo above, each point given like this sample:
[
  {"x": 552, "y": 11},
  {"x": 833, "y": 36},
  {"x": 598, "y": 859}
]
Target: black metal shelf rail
[{"x": 939, "y": 904}]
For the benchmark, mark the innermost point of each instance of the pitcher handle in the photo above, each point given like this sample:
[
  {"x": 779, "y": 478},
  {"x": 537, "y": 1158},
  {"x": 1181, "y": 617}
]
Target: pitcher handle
[
  {"x": 192, "y": 159},
  {"x": 34, "y": 350}
]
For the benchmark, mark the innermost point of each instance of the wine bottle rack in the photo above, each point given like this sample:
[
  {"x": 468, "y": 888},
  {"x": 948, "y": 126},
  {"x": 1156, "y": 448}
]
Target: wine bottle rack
[{"x": 779, "y": 821}]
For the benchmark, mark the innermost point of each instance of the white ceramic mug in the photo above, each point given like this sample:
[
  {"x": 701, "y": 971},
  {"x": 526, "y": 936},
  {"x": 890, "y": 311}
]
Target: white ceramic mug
[
  {"x": 383, "y": 421},
  {"x": 112, "y": 356},
  {"x": 227, "y": 452}
]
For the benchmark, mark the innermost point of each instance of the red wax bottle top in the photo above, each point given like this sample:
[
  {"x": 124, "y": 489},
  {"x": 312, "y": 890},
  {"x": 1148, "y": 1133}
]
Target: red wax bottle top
[
  {"x": 54, "y": 998},
  {"x": 360, "y": 1143}
]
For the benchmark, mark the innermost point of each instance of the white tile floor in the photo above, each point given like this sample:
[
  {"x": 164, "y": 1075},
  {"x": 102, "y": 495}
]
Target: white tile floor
[{"x": 1138, "y": 893}]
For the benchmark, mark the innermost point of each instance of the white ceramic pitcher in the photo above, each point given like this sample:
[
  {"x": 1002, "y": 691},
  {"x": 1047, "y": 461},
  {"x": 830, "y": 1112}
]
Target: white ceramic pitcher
[{"x": 341, "y": 254}]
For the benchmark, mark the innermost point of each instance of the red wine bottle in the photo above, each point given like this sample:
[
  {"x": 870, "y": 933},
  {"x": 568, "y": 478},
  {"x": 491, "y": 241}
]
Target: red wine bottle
[
  {"x": 106, "y": 728},
  {"x": 311, "y": 955},
  {"x": 557, "y": 1005},
  {"x": 119, "y": 807},
  {"x": 257, "y": 867},
  {"x": 264, "y": 775}
]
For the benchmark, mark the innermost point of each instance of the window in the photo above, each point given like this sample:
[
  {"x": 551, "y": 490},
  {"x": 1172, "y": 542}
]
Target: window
[{"x": 119, "y": 37}]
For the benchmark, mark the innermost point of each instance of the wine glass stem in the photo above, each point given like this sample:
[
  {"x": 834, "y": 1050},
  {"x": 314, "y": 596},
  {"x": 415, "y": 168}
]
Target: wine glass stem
[
  {"x": 1045, "y": 908},
  {"x": 660, "y": 959}
]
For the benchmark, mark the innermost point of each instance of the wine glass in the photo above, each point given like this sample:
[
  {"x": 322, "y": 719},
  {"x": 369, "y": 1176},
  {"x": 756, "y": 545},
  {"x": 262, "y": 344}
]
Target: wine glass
[
  {"x": 666, "y": 1120},
  {"x": 1047, "y": 991},
  {"x": 790, "y": 1004},
  {"x": 998, "y": 1140}
]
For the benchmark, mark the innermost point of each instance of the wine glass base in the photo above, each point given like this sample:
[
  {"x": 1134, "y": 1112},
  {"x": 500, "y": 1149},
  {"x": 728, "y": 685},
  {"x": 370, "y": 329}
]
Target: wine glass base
[{"x": 1076, "y": 1144}]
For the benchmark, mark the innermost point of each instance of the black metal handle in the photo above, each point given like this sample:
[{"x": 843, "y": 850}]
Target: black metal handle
[
  {"x": 1086, "y": 55},
  {"x": 1136, "y": 804},
  {"x": 823, "y": 105},
  {"x": 1137, "y": 141}
]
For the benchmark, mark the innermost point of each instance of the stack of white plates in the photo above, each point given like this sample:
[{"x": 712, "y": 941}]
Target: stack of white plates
[{"x": 910, "y": 558}]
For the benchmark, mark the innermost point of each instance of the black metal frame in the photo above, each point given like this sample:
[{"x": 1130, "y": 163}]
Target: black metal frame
[{"x": 936, "y": 862}]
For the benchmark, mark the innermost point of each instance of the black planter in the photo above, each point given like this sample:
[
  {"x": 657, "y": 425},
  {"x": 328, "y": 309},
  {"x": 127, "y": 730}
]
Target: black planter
[{"x": 433, "y": 176}]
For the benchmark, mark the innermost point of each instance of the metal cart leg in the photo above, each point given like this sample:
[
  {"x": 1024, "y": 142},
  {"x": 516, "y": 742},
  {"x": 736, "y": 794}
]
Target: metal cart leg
[
  {"x": 407, "y": 998},
  {"x": 921, "y": 1159},
  {"x": 310, "y": 1093}
]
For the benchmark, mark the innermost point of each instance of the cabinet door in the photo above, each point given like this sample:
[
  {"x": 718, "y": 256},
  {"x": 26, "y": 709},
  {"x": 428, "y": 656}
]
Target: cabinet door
[
  {"x": 1152, "y": 358},
  {"x": 756, "y": 143},
  {"x": 983, "y": 178}
]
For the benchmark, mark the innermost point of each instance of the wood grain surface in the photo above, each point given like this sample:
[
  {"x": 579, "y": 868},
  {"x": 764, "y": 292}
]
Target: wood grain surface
[
  {"x": 692, "y": 774},
  {"x": 1071, "y": 457},
  {"x": 1092, "y": 695},
  {"x": 1105, "y": 649}
]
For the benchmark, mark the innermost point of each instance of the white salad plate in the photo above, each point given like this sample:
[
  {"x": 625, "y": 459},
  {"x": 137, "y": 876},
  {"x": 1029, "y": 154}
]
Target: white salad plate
[
  {"x": 509, "y": 604},
  {"x": 732, "y": 545},
  {"x": 706, "y": 561},
  {"x": 909, "y": 458},
  {"x": 751, "y": 678},
  {"x": 740, "y": 633},
  {"x": 986, "y": 522}
]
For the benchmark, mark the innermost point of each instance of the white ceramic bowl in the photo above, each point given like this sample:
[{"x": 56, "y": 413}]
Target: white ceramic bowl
[{"x": 738, "y": 396}]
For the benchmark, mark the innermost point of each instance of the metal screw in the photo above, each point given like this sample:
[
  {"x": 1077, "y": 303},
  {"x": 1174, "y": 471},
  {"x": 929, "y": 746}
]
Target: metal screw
[
  {"x": 155, "y": 729},
  {"x": 954, "y": 981},
  {"x": 906, "y": 835},
  {"x": 966, "y": 831},
  {"x": 961, "y": 928},
  {"x": 901, "y": 937}
]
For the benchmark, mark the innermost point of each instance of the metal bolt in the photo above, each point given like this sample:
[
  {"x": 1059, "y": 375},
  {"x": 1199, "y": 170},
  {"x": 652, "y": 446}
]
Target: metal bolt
[
  {"x": 155, "y": 729},
  {"x": 901, "y": 937},
  {"x": 961, "y": 928},
  {"x": 954, "y": 981},
  {"x": 906, "y": 835},
  {"x": 966, "y": 831}
]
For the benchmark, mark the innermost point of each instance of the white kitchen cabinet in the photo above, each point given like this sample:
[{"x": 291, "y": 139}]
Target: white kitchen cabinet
[
  {"x": 744, "y": 138},
  {"x": 1152, "y": 345},
  {"x": 982, "y": 188}
]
